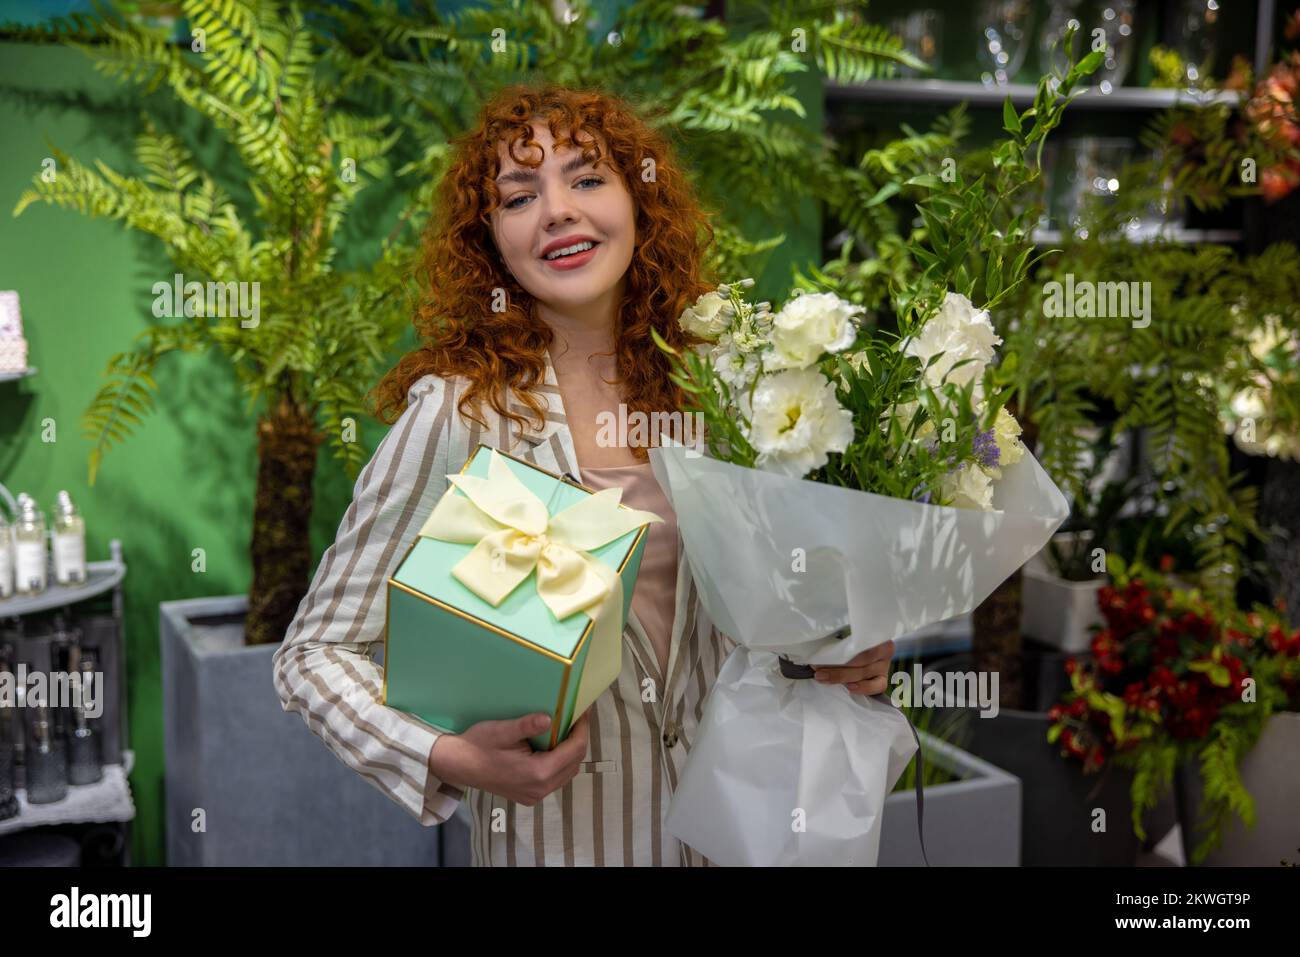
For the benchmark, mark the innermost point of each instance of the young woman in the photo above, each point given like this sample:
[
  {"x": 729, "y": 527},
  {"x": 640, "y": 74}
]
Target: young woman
[{"x": 565, "y": 230}]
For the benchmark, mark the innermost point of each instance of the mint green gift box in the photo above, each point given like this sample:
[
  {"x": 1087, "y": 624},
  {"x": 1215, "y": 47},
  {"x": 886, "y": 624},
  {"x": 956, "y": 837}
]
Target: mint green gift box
[{"x": 452, "y": 659}]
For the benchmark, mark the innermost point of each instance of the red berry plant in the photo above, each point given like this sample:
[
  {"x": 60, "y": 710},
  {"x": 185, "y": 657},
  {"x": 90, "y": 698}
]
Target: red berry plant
[{"x": 1172, "y": 678}]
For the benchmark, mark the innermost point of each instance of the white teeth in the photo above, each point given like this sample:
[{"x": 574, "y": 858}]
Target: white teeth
[{"x": 569, "y": 250}]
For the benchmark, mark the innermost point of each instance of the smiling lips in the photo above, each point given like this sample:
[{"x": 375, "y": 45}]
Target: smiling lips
[{"x": 574, "y": 261}]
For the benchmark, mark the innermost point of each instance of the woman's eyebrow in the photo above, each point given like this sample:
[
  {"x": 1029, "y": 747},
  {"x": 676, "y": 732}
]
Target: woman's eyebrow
[{"x": 530, "y": 176}]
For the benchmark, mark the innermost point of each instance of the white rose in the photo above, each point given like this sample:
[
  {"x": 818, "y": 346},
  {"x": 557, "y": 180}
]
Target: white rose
[
  {"x": 958, "y": 331},
  {"x": 808, "y": 326},
  {"x": 796, "y": 421},
  {"x": 968, "y": 486},
  {"x": 706, "y": 318}
]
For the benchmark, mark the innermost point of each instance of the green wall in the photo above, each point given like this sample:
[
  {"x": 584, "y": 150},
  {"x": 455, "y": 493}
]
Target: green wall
[{"x": 185, "y": 480}]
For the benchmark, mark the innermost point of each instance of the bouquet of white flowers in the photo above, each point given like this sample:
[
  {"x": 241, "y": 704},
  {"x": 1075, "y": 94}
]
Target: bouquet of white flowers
[
  {"x": 785, "y": 565},
  {"x": 859, "y": 486}
]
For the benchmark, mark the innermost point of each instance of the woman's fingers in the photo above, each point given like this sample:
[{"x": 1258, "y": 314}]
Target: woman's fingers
[
  {"x": 869, "y": 686},
  {"x": 870, "y": 666}
]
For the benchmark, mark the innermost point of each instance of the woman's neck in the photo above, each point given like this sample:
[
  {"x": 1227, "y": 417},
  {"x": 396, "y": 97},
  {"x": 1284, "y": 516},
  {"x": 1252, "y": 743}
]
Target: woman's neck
[{"x": 583, "y": 331}]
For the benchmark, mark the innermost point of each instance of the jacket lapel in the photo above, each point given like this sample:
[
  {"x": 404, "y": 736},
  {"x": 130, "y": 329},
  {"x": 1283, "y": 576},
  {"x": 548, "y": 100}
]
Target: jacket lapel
[{"x": 551, "y": 442}]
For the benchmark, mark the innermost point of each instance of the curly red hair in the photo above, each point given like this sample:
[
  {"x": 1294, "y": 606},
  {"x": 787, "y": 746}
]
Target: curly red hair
[{"x": 459, "y": 268}]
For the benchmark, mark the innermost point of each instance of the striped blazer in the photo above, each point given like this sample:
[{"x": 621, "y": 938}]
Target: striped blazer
[{"x": 641, "y": 730}]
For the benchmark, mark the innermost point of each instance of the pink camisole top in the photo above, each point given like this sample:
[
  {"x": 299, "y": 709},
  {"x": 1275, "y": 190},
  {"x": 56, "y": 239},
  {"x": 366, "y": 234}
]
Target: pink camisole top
[{"x": 654, "y": 598}]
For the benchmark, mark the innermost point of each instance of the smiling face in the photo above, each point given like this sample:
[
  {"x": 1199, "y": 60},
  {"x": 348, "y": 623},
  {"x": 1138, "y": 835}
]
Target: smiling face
[{"x": 562, "y": 203}]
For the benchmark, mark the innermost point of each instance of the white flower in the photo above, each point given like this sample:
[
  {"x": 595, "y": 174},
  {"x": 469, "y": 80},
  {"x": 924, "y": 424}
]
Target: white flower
[
  {"x": 734, "y": 367},
  {"x": 796, "y": 421},
  {"x": 1265, "y": 337},
  {"x": 1252, "y": 431},
  {"x": 1006, "y": 435},
  {"x": 958, "y": 331},
  {"x": 752, "y": 331},
  {"x": 808, "y": 326},
  {"x": 706, "y": 319},
  {"x": 968, "y": 486}
]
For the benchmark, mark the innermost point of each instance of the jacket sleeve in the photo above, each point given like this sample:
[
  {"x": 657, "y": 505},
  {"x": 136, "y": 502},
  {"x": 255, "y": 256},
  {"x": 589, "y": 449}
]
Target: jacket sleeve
[{"x": 323, "y": 668}]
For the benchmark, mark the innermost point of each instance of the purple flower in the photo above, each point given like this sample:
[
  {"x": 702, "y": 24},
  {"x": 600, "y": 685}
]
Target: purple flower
[{"x": 986, "y": 449}]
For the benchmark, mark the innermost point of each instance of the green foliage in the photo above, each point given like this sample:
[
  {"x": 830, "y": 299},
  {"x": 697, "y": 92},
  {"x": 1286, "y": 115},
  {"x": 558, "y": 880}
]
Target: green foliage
[
  {"x": 868, "y": 198},
  {"x": 907, "y": 431},
  {"x": 1165, "y": 379},
  {"x": 978, "y": 238},
  {"x": 256, "y": 76},
  {"x": 975, "y": 241},
  {"x": 948, "y": 726}
]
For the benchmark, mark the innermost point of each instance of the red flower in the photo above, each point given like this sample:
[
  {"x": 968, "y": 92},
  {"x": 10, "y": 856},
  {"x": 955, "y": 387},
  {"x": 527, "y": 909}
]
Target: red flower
[
  {"x": 1277, "y": 639},
  {"x": 1277, "y": 182},
  {"x": 1162, "y": 677},
  {"x": 1292, "y": 28}
]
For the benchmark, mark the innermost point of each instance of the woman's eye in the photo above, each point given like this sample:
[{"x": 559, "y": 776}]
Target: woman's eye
[{"x": 514, "y": 203}]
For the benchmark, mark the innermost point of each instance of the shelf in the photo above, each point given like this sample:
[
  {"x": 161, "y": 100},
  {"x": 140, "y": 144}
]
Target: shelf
[
  {"x": 1022, "y": 95},
  {"x": 108, "y": 799},
  {"x": 100, "y": 577},
  {"x": 1177, "y": 234},
  {"x": 13, "y": 376}
]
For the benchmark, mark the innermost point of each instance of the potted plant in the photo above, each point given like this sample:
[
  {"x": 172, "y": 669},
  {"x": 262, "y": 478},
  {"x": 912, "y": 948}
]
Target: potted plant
[
  {"x": 304, "y": 344},
  {"x": 972, "y": 808},
  {"x": 1179, "y": 684}
]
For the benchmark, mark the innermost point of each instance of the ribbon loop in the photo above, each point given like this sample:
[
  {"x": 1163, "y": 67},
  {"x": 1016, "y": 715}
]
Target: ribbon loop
[{"x": 513, "y": 534}]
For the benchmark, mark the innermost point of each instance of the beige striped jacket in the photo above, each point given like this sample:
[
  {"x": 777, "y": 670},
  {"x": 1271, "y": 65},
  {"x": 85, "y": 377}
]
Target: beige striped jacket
[{"x": 611, "y": 813}]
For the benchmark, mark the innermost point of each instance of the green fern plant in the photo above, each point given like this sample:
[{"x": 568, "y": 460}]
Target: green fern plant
[
  {"x": 1165, "y": 380},
  {"x": 253, "y": 72}
]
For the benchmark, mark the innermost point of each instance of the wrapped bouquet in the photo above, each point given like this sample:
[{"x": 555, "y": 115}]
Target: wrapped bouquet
[
  {"x": 855, "y": 491},
  {"x": 860, "y": 484}
]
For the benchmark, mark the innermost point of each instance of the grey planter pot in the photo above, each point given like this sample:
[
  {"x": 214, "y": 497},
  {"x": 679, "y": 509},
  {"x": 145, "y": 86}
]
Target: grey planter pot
[
  {"x": 1057, "y": 611},
  {"x": 1270, "y": 772},
  {"x": 272, "y": 792},
  {"x": 1059, "y": 800},
  {"x": 973, "y": 822}
]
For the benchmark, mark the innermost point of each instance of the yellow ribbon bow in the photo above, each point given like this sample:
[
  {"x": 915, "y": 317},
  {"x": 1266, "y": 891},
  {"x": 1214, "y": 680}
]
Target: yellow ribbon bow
[{"x": 513, "y": 534}]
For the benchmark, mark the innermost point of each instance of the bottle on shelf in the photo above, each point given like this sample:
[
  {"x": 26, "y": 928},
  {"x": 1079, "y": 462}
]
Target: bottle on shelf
[
  {"x": 6, "y": 558},
  {"x": 47, "y": 759},
  {"x": 69, "y": 542},
  {"x": 84, "y": 762},
  {"x": 29, "y": 548}
]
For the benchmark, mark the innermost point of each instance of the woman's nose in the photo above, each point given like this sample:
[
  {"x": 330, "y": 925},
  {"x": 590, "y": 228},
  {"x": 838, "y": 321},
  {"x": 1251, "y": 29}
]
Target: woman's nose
[{"x": 557, "y": 208}]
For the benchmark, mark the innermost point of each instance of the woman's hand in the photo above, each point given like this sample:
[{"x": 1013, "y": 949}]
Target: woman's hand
[
  {"x": 868, "y": 673},
  {"x": 495, "y": 756}
]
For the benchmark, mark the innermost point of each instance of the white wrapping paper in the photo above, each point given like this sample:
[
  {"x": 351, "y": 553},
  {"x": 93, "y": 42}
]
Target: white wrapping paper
[{"x": 791, "y": 772}]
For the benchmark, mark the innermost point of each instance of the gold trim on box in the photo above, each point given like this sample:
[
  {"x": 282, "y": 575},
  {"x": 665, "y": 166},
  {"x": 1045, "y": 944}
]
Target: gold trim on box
[{"x": 518, "y": 639}]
